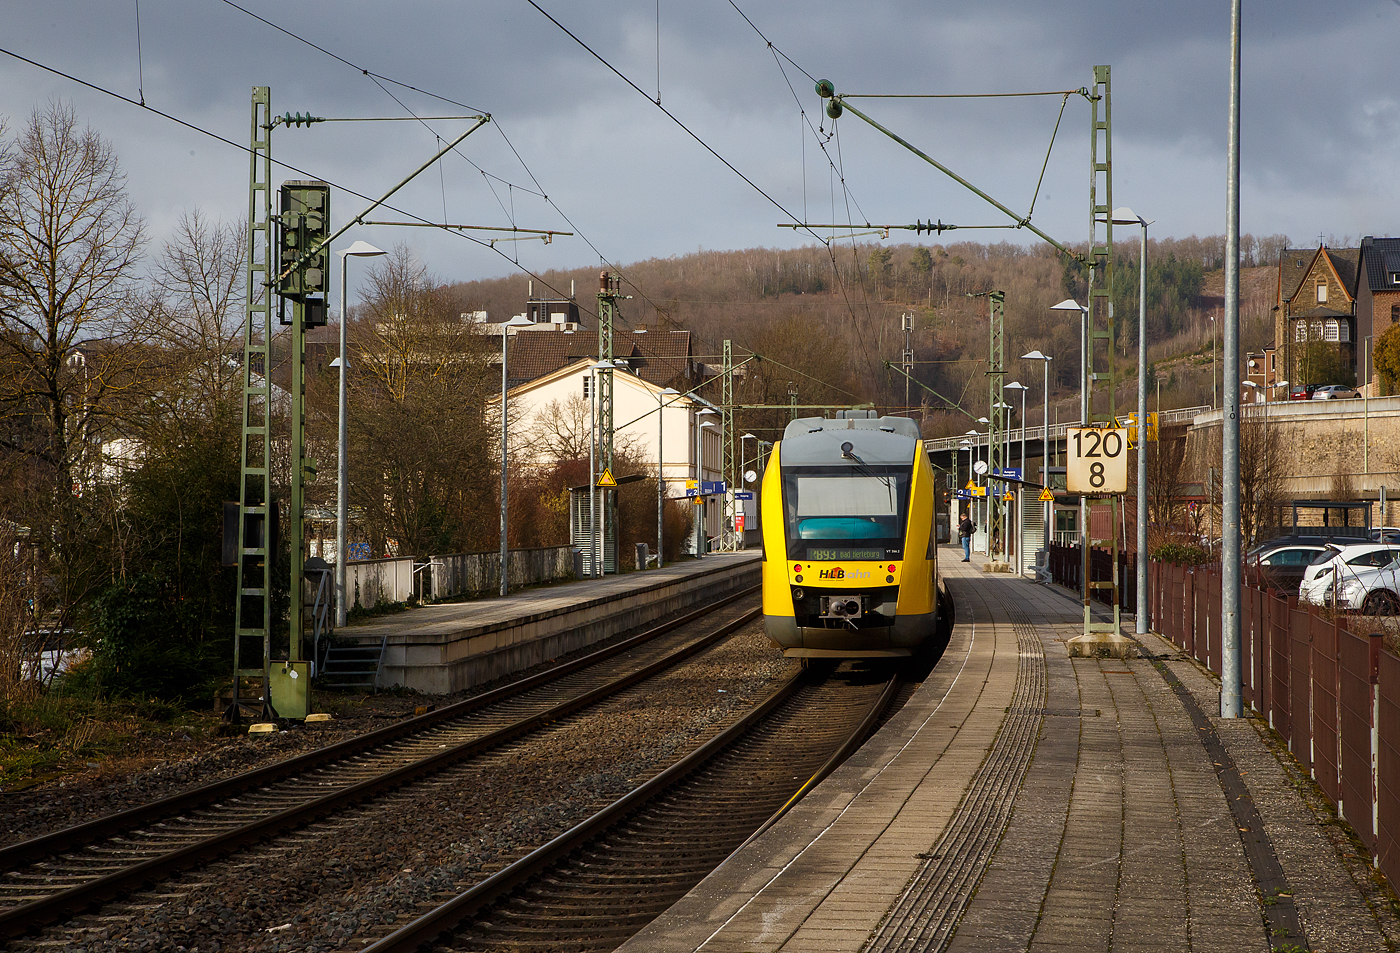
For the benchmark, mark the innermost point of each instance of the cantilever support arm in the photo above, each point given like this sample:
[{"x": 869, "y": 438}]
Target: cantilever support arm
[
  {"x": 358, "y": 219},
  {"x": 1021, "y": 222},
  {"x": 958, "y": 407}
]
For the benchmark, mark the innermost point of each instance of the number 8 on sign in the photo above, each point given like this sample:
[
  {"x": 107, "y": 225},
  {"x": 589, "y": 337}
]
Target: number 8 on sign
[{"x": 1097, "y": 461}]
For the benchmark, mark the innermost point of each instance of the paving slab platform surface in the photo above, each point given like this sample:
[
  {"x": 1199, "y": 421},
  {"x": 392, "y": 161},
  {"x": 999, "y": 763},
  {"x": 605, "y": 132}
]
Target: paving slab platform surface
[
  {"x": 1026, "y": 801},
  {"x": 451, "y": 646}
]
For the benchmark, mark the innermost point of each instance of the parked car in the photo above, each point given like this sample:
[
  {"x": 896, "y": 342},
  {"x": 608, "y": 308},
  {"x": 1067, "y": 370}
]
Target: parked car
[
  {"x": 1385, "y": 534},
  {"x": 1372, "y": 591},
  {"x": 1302, "y": 391},
  {"x": 1333, "y": 392},
  {"x": 1281, "y": 566},
  {"x": 1337, "y": 564}
]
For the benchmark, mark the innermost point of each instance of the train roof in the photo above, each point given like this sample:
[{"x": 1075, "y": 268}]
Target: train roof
[{"x": 876, "y": 440}]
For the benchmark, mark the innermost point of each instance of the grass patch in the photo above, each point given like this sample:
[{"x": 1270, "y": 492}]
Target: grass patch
[{"x": 57, "y": 734}]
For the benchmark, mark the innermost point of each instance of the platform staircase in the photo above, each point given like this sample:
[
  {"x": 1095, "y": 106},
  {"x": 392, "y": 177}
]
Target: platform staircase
[{"x": 352, "y": 665}]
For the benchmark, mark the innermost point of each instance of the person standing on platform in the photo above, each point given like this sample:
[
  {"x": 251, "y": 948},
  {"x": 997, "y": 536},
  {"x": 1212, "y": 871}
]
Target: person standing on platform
[{"x": 965, "y": 529}]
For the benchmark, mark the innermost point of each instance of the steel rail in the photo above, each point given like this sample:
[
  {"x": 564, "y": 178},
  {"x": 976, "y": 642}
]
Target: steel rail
[
  {"x": 838, "y": 757},
  {"x": 437, "y": 925},
  {"x": 25, "y": 918},
  {"x": 46, "y": 845}
]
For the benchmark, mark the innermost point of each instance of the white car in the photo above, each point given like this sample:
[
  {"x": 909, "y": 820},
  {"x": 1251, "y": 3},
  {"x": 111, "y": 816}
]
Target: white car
[
  {"x": 1373, "y": 592},
  {"x": 1338, "y": 564}
]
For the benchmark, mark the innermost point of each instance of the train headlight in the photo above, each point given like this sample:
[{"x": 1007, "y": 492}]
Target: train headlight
[{"x": 797, "y": 595}]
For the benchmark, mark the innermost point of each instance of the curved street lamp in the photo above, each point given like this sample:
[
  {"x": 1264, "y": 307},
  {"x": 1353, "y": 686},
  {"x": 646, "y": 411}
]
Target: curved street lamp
[
  {"x": 1126, "y": 216},
  {"x": 519, "y": 321},
  {"x": 342, "y": 488}
]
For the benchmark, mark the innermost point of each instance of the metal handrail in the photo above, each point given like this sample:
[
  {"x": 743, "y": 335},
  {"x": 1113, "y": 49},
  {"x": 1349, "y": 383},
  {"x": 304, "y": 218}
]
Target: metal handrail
[{"x": 1180, "y": 415}]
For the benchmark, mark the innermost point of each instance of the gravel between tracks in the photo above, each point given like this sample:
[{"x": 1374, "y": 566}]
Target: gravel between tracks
[
  {"x": 342, "y": 883},
  {"x": 155, "y": 765}
]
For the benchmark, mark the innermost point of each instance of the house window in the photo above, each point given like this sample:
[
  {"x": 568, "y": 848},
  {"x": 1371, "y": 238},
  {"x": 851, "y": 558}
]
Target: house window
[
  {"x": 1300, "y": 331},
  {"x": 1315, "y": 332},
  {"x": 1344, "y": 331},
  {"x": 1322, "y": 292},
  {"x": 1330, "y": 332},
  {"x": 1273, "y": 362},
  {"x": 587, "y": 384},
  {"x": 1395, "y": 277}
]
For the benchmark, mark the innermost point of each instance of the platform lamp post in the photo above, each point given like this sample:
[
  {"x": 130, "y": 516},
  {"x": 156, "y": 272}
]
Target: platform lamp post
[
  {"x": 1212, "y": 362},
  {"x": 1069, "y": 304},
  {"x": 964, "y": 444},
  {"x": 985, "y": 508},
  {"x": 661, "y": 463},
  {"x": 1045, "y": 446},
  {"x": 700, "y": 426},
  {"x": 1126, "y": 216},
  {"x": 743, "y": 471},
  {"x": 519, "y": 321},
  {"x": 342, "y": 481},
  {"x": 1000, "y": 501},
  {"x": 1020, "y": 488}
]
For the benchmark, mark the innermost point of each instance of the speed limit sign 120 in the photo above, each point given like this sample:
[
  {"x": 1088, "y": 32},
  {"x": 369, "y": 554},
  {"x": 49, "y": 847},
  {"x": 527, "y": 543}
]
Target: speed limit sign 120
[{"x": 1097, "y": 461}]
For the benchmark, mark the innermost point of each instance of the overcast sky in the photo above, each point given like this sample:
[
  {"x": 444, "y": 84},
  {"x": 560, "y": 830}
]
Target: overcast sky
[{"x": 1321, "y": 122}]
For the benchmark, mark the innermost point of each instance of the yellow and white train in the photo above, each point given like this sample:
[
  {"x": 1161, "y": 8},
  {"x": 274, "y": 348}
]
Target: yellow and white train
[{"x": 848, "y": 511}]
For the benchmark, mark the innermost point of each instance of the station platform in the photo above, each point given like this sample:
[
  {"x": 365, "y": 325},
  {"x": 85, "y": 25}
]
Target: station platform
[
  {"x": 1026, "y": 801},
  {"x": 452, "y": 646}
]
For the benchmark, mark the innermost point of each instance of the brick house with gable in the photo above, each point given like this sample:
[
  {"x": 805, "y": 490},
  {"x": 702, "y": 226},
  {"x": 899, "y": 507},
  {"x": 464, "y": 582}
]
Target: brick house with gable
[
  {"x": 1315, "y": 331},
  {"x": 1377, "y": 298}
]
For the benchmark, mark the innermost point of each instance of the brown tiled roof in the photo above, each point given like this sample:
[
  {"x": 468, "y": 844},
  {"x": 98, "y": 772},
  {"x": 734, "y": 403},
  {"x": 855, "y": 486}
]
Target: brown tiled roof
[
  {"x": 660, "y": 357},
  {"x": 1345, "y": 260},
  {"x": 1293, "y": 265}
]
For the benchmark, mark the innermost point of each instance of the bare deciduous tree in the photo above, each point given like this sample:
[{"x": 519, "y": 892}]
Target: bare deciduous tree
[
  {"x": 195, "y": 324},
  {"x": 69, "y": 242},
  {"x": 1262, "y": 474},
  {"x": 423, "y": 470}
]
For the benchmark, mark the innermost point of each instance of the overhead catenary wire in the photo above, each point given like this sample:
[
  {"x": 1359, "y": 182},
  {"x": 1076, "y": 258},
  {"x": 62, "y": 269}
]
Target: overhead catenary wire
[
  {"x": 378, "y": 77},
  {"x": 381, "y": 80}
]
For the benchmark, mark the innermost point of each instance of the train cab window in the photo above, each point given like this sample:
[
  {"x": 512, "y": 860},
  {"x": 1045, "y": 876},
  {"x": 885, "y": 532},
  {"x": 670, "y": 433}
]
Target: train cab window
[{"x": 836, "y": 514}]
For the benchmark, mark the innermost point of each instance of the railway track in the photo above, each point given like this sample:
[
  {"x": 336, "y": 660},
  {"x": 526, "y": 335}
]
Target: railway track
[
  {"x": 48, "y": 879},
  {"x": 593, "y": 887}
]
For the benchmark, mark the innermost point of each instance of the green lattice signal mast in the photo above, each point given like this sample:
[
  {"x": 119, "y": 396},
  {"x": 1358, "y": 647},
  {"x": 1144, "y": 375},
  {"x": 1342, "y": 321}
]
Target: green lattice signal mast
[{"x": 1099, "y": 370}]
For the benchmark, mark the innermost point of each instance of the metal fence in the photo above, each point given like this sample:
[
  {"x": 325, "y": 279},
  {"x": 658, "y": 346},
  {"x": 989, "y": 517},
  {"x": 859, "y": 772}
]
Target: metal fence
[
  {"x": 1066, "y": 568},
  {"x": 1331, "y": 692}
]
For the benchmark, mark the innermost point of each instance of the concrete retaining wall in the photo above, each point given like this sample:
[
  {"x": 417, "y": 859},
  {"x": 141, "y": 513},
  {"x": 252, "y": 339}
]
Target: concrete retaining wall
[{"x": 449, "y": 657}]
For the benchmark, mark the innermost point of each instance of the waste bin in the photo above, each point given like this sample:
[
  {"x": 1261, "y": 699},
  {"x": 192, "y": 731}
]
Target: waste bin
[{"x": 643, "y": 556}]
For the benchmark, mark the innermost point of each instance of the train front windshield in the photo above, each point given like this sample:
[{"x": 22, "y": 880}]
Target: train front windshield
[{"x": 844, "y": 514}]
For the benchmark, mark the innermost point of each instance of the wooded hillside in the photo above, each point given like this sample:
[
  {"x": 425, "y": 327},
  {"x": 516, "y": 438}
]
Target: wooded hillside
[{"x": 828, "y": 318}]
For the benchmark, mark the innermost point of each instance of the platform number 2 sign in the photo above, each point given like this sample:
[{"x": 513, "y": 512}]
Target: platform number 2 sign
[{"x": 1098, "y": 461}]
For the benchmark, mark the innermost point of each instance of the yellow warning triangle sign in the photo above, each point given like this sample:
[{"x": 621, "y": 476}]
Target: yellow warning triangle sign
[
  {"x": 1046, "y": 496},
  {"x": 606, "y": 479},
  {"x": 970, "y": 485}
]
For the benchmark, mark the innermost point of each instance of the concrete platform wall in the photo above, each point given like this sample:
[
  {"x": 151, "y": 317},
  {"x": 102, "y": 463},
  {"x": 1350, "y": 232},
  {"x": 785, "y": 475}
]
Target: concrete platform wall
[{"x": 439, "y": 660}]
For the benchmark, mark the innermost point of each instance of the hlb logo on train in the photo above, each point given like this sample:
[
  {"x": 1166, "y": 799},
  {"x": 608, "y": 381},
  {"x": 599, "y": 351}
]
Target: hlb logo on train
[{"x": 837, "y": 573}]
